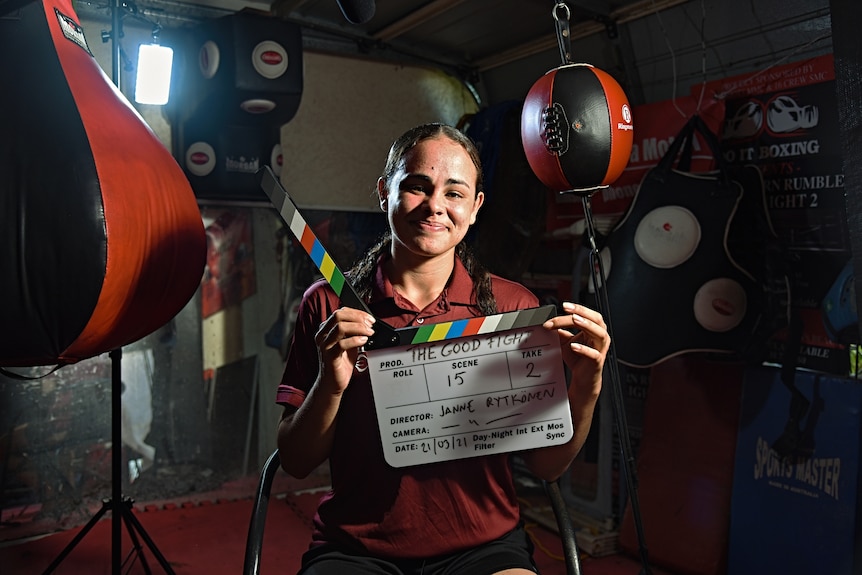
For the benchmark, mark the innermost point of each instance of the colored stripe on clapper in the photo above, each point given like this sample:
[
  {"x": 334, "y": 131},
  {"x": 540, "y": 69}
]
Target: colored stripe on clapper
[{"x": 482, "y": 325}]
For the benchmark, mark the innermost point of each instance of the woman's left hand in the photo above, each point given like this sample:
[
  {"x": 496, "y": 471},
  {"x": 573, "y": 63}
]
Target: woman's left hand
[{"x": 585, "y": 341}]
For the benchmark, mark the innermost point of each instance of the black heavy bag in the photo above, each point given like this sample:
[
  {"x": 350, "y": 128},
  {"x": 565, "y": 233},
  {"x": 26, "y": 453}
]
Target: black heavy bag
[
  {"x": 673, "y": 284},
  {"x": 101, "y": 239}
]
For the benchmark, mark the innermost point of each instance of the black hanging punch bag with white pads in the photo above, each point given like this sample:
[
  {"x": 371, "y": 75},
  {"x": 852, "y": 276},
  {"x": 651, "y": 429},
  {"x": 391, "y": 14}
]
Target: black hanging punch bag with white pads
[{"x": 576, "y": 128}]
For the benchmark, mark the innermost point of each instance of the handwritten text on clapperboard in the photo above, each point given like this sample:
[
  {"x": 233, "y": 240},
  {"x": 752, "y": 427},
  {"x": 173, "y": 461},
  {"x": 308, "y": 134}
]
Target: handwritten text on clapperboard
[{"x": 472, "y": 396}]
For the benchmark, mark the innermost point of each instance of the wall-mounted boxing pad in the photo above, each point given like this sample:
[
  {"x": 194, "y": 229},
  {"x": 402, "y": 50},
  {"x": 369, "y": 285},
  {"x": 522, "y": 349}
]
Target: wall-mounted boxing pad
[
  {"x": 241, "y": 69},
  {"x": 101, "y": 239},
  {"x": 576, "y": 128}
]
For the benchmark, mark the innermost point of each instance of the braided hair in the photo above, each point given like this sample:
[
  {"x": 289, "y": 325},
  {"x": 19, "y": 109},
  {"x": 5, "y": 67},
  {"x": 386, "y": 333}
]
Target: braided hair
[{"x": 362, "y": 272}]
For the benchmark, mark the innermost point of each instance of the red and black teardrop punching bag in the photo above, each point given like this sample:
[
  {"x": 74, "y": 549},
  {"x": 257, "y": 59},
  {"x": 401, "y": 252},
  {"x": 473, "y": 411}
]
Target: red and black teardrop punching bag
[
  {"x": 101, "y": 239},
  {"x": 576, "y": 128}
]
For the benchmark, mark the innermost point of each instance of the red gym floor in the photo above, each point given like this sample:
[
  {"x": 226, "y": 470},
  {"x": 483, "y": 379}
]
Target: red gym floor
[{"x": 207, "y": 534}]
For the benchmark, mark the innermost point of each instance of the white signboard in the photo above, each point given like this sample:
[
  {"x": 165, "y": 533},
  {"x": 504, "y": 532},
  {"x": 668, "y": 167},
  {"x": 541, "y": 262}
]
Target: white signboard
[{"x": 471, "y": 396}]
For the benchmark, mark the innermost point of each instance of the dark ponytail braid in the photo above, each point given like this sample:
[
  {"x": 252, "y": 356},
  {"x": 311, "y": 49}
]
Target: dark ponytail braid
[
  {"x": 482, "y": 294},
  {"x": 361, "y": 275}
]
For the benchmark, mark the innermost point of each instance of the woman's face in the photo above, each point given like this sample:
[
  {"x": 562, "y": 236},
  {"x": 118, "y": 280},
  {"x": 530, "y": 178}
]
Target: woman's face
[{"x": 431, "y": 199}]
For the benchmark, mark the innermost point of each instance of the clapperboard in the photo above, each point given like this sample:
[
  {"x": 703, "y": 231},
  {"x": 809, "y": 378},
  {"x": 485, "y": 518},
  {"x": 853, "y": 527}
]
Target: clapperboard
[{"x": 455, "y": 389}]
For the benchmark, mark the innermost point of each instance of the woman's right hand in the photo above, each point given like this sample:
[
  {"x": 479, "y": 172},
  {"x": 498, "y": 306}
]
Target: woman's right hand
[{"x": 339, "y": 341}]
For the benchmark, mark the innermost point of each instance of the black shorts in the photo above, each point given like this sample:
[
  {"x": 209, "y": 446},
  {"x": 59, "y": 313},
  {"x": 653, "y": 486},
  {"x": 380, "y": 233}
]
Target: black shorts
[{"x": 512, "y": 551}]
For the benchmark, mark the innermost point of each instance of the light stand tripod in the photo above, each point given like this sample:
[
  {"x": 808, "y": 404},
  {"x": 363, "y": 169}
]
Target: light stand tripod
[{"x": 120, "y": 507}]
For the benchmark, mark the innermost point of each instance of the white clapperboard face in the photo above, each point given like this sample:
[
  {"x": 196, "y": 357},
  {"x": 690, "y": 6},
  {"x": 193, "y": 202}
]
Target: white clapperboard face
[{"x": 456, "y": 389}]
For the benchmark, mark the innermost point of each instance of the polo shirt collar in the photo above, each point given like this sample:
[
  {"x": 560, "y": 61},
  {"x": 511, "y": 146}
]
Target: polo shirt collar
[{"x": 458, "y": 291}]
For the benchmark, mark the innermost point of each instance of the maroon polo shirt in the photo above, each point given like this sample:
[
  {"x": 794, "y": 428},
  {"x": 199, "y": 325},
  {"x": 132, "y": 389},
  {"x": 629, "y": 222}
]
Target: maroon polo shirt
[{"x": 419, "y": 511}]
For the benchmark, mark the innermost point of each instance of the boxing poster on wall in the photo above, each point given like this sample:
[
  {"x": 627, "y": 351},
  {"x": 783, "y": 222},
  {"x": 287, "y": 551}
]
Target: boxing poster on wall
[
  {"x": 785, "y": 121},
  {"x": 229, "y": 276}
]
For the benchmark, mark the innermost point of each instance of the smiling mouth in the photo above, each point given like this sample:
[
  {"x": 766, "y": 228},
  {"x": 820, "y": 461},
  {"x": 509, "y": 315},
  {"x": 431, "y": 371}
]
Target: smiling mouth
[{"x": 431, "y": 226}]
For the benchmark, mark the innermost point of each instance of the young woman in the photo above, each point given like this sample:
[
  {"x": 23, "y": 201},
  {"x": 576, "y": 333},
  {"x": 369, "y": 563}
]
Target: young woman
[{"x": 453, "y": 517}]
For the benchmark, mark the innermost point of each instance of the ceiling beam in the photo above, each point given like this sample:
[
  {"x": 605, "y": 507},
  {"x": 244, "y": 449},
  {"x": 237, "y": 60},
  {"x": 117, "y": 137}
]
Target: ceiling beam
[
  {"x": 283, "y": 8},
  {"x": 619, "y": 16},
  {"x": 596, "y": 7},
  {"x": 415, "y": 18}
]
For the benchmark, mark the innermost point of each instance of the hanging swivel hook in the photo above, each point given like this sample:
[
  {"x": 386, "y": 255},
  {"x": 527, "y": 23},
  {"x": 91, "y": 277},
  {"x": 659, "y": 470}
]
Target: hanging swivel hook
[{"x": 561, "y": 16}]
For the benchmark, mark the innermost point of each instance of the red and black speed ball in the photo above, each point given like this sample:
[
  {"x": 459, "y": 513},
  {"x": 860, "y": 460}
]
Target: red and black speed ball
[{"x": 576, "y": 128}]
